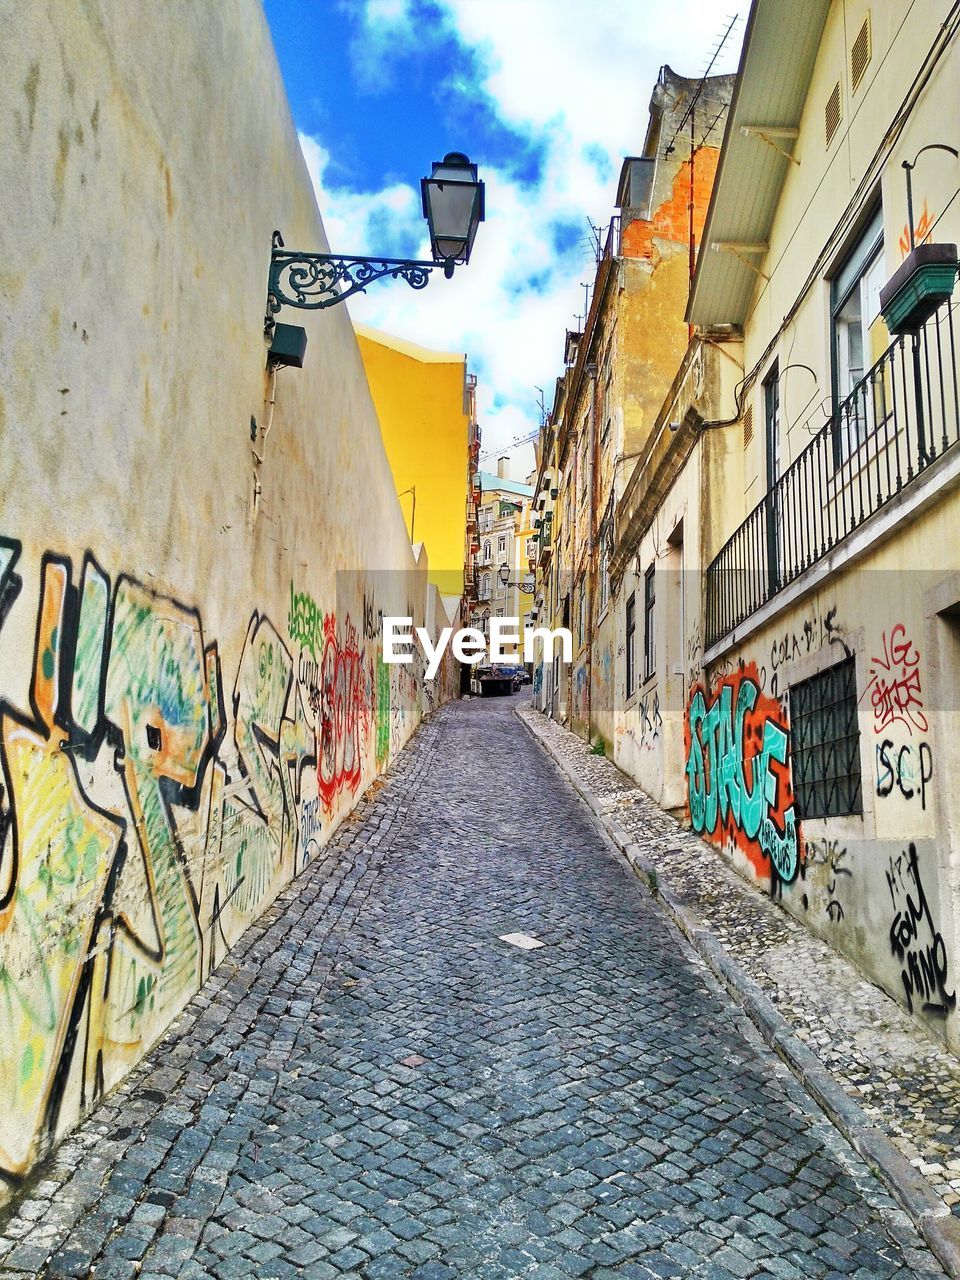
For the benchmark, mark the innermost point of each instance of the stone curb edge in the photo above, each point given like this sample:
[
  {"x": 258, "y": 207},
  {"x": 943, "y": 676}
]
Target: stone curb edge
[{"x": 938, "y": 1227}]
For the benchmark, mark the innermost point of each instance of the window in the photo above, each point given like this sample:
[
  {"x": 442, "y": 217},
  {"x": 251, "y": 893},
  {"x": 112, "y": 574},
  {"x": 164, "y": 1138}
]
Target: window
[
  {"x": 486, "y": 551},
  {"x": 649, "y": 636},
  {"x": 604, "y": 570},
  {"x": 773, "y": 456},
  {"x": 771, "y": 419},
  {"x": 826, "y": 743},
  {"x": 581, "y": 614},
  {"x": 631, "y": 645},
  {"x": 606, "y": 412},
  {"x": 859, "y": 336},
  {"x": 486, "y": 519},
  {"x": 485, "y": 586},
  {"x": 501, "y": 545}
]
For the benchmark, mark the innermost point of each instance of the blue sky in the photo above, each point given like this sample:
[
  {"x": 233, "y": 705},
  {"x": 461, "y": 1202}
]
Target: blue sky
[{"x": 547, "y": 96}]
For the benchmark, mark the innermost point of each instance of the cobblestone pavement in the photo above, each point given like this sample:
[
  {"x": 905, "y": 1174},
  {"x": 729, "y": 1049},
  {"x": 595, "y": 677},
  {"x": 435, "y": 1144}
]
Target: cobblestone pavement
[
  {"x": 906, "y": 1082},
  {"x": 374, "y": 1085}
]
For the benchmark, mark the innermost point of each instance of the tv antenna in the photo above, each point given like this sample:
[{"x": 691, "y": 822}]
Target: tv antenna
[{"x": 689, "y": 114}]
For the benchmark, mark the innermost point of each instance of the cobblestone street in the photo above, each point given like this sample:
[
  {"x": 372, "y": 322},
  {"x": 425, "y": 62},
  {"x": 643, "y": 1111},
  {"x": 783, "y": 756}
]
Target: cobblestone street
[{"x": 373, "y": 1084}]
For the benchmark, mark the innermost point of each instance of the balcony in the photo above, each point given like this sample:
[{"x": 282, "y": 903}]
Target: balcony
[
  {"x": 899, "y": 420},
  {"x": 543, "y": 539}
]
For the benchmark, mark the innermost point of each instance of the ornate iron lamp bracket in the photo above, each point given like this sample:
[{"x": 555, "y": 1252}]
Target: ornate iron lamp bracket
[{"x": 312, "y": 281}]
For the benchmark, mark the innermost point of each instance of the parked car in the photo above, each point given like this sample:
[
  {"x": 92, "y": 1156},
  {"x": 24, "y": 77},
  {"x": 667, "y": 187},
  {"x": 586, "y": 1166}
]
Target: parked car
[{"x": 496, "y": 681}]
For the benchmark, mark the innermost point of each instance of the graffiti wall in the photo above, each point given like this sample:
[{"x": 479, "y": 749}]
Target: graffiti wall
[
  {"x": 867, "y": 870},
  {"x": 738, "y": 777},
  {"x": 195, "y": 551},
  {"x": 152, "y": 805}
]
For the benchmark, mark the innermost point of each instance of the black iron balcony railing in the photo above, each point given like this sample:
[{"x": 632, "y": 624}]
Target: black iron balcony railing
[{"x": 898, "y": 420}]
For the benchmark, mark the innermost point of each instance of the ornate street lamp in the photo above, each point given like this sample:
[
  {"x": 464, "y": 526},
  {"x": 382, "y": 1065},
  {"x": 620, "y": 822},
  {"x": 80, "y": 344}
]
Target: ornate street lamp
[
  {"x": 526, "y": 585},
  {"x": 453, "y": 205}
]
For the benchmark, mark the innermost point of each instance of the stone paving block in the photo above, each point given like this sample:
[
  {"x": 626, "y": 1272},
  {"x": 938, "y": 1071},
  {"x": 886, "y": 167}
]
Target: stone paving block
[{"x": 594, "y": 1108}]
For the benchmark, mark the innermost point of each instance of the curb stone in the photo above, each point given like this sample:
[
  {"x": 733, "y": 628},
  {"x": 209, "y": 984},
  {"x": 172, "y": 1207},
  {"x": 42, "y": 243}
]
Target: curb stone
[{"x": 938, "y": 1227}]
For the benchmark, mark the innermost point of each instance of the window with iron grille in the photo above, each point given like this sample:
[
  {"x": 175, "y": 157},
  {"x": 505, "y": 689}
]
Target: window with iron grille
[{"x": 826, "y": 743}]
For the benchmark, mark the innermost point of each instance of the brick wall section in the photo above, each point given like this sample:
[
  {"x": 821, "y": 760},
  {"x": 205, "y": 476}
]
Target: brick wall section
[{"x": 671, "y": 220}]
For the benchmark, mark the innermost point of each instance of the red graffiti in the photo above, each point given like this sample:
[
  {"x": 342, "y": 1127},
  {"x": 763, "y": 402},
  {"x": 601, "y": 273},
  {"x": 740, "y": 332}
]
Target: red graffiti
[
  {"x": 894, "y": 684},
  {"x": 344, "y": 713},
  {"x": 921, "y": 231}
]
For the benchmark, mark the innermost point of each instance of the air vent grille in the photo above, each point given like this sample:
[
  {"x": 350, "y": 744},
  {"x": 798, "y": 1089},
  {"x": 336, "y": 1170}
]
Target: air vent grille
[
  {"x": 860, "y": 53},
  {"x": 831, "y": 114},
  {"x": 748, "y": 426}
]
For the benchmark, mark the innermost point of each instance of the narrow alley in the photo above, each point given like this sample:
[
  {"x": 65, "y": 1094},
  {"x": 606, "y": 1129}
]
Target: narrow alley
[{"x": 375, "y": 1084}]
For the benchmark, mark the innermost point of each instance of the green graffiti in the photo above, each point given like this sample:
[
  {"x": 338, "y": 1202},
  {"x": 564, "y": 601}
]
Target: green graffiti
[
  {"x": 305, "y": 621},
  {"x": 383, "y": 710},
  {"x": 91, "y": 636}
]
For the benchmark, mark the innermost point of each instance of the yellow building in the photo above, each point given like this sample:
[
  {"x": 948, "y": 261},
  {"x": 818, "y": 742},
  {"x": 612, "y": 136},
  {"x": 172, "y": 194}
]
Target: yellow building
[{"x": 421, "y": 399}]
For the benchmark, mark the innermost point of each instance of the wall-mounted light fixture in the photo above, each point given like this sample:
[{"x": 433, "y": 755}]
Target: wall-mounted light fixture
[
  {"x": 526, "y": 585},
  {"x": 453, "y": 205}
]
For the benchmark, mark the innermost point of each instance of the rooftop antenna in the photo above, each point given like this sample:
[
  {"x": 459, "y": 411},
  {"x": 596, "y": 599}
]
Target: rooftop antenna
[
  {"x": 542, "y": 406},
  {"x": 688, "y": 115},
  {"x": 711, "y": 126},
  {"x": 595, "y": 240}
]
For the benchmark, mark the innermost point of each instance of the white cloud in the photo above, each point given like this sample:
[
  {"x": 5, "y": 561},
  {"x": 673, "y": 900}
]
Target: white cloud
[{"x": 575, "y": 79}]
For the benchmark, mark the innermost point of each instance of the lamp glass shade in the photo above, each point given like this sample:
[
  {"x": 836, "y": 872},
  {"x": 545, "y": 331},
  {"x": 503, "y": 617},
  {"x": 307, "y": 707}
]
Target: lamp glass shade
[
  {"x": 453, "y": 207},
  {"x": 504, "y": 572}
]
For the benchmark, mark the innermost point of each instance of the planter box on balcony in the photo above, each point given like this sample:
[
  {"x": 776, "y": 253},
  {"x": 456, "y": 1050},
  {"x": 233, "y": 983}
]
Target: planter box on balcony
[{"x": 915, "y": 290}]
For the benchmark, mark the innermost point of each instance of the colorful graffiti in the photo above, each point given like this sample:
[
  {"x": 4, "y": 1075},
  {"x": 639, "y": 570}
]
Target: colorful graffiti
[
  {"x": 144, "y": 823},
  {"x": 894, "y": 684},
  {"x": 346, "y": 712},
  {"x": 383, "y": 711},
  {"x": 738, "y": 781}
]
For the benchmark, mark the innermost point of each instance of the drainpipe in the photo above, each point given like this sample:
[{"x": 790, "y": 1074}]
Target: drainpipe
[{"x": 591, "y": 542}]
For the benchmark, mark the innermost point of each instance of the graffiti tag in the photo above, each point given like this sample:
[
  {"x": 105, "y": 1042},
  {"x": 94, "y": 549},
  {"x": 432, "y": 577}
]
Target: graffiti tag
[
  {"x": 915, "y": 940},
  {"x": 894, "y": 684}
]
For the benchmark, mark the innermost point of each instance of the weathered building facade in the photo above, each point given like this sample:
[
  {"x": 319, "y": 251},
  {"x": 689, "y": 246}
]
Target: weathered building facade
[
  {"x": 822, "y": 708},
  {"x": 616, "y": 372},
  {"x": 503, "y": 532},
  {"x": 784, "y": 566},
  {"x": 196, "y": 550},
  {"x": 784, "y": 563}
]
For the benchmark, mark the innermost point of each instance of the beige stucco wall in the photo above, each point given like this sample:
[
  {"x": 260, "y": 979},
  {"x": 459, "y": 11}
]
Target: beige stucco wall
[
  {"x": 192, "y": 697},
  {"x": 892, "y": 608},
  {"x": 851, "y": 883},
  {"x": 816, "y": 194}
]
